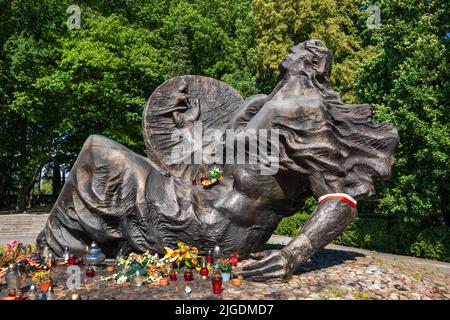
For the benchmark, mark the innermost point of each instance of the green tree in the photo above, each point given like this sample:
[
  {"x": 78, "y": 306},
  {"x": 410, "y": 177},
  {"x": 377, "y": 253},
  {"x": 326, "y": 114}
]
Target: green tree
[
  {"x": 58, "y": 86},
  {"x": 283, "y": 23},
  {"x": 27, "y": 53},
  {"x": 407, "y": 80},
  {"x": 212, "y": 38},
  {"x": 104, "y": 73}
]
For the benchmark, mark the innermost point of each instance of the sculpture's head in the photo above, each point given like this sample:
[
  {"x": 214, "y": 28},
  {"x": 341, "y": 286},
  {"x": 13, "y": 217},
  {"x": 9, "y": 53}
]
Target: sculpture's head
[
  {"x": 310, "y": 58},
  {"x": 336, "y": 144}
]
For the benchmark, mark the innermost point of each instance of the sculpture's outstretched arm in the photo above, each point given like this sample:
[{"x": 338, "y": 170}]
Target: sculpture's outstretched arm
[{"x": 325, "y": 224}]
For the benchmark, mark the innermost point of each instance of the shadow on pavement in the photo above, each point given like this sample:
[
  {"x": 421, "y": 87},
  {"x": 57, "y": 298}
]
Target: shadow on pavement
[{"x": 325, "y": 258}]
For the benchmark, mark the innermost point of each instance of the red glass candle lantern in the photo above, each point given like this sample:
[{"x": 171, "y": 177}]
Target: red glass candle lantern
[
  {"x": 19, "y": 295},
  {"x": 204, "y": 271},
  {"x": 72, "y": 260},
  {"x": 209, "y": 258},
  {"x": 90, "y": 272},
  {"x": 11, "y": 292},
  {"x": 188, "y": 275},
  {"x": 173, "y": 276},
  {"x": 194, "y": 182},
  {"x": 216, "y": 283}
]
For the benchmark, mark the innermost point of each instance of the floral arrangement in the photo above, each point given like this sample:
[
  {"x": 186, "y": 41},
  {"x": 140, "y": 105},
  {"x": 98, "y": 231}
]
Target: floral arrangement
[
  {"x": 15, "y": 251},
  {"x": 152, "y": 268},
  {"x": 212, "y": 178},
  {"x": 134, "y": 262},
  {"x": 234, "y": 258},
  {"x": 184, "y": 255},
  {"x": 148, "y": 265},
  {"x": 224, "y": 265},
  {"x": 42, "y": 277},
  {"x": 15, "y": 245},
  {"x": 159, "y": 271},
  {"x": 215, "y": 174}
]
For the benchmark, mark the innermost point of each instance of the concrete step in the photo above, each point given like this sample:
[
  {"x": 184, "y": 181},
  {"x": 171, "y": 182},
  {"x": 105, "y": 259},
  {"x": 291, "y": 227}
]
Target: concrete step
[{"x": 23, "y": 227}]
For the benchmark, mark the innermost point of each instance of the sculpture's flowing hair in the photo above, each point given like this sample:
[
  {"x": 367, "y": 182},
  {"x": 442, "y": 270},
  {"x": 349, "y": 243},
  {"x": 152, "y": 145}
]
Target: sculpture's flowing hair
[{"x": 339, "y": 146}]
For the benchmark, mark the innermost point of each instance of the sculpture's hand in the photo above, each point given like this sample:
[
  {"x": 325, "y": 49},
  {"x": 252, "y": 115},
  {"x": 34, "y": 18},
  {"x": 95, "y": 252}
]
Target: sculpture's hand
[
  {"x": 325, "y": 224},
  {"x": 193, "y": 114},
  {"x": 181, "y": 98},
  {"x": 272, "y": 266},
  {"x": 187, "y": 118}
]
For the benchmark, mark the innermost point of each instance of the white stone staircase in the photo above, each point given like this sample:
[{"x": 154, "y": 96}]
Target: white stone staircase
[{"x": 23, "y": 227}]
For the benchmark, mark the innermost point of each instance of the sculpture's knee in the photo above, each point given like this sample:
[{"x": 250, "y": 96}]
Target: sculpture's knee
[
  {"x": 98, "y": 141},
  {"x": 99, "y": 152},
  {"x": 101, "y": 147}
]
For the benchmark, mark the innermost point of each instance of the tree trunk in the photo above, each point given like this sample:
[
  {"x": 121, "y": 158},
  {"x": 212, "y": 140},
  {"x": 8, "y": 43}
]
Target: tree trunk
[
  {"x": 7, "y": 196},
  {"x": 56, "y": 179},
  {"x": 63, "y": 177},
  {"x": 30, "y": 197},
  {"x": 445, "y": 207},
  {"x": 2, "y": 190},
  {"x": 39, "y": 192},
  {"x": 23, "y": 189},
  {"x": 21, "y": 199}
]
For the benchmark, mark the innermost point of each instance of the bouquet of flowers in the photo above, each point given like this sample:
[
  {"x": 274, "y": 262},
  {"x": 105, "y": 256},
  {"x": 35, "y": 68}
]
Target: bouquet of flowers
[
  {"x": 183, "y": 255},
  {"x": 129, "y": 266},
  {"x": 15, "y": 245},
  {"x": 42, "y": 277},
  {"x": 212, "y": 178},
  {"x": 224, "y": 265},
  {"x": 234, "y": 258},
  {"x": 148, "y": 265},
  {"x": 15, "y": 251},
  {"x": 152, "y": 268},
  {"x": 159, "y": 270}
]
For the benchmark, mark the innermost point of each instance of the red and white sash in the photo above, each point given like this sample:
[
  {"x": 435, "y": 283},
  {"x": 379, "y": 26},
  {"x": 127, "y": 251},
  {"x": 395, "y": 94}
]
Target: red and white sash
[{"x": 340, "y": 196}]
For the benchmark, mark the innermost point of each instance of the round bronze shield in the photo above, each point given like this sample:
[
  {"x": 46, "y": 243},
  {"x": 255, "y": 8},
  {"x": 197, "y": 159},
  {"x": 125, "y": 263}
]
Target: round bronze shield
[{"x": 173, "y": 115}]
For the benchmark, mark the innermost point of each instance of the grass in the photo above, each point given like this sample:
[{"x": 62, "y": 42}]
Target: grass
[
  {"x": 322, "y": 296},
  {"x": 361, "y": 296},
  {"x": 335, "y": 292},
  {"x": 417, "y": 276}
]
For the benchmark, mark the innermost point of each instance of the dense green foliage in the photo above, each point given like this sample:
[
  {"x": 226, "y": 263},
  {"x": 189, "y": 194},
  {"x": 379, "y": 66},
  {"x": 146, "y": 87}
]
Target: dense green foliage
[
  {"x": 58, "y": 86},
  {"x": 405, "y": 75},
  {"x": 408, "y": 81},
  {"x": 284, "y": 23},
  {"x": 385, "y": 235}
]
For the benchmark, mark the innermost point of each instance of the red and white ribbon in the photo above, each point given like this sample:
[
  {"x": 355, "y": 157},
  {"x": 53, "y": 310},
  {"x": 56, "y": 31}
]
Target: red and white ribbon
[{"x": 340, "y": 196}]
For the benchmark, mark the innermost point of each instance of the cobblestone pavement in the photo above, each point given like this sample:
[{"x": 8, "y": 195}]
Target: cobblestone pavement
[{"x": 331, "y": 274}]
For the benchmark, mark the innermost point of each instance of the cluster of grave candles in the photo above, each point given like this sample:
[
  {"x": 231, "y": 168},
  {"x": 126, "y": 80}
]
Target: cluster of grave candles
[{"x": 216, "y": 278}]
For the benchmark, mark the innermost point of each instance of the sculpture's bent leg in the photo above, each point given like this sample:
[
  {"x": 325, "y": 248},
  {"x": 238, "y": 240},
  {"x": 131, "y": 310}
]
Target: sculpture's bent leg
[{"x": 100, "y": 200}]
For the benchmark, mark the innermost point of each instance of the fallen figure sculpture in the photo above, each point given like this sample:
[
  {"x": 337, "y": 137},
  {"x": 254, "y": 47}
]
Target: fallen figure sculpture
[{"x": 327, "y": 149}]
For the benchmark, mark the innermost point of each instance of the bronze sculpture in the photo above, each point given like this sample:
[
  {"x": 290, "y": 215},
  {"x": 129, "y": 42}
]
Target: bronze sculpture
[{"x": 326, "y": 148}]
